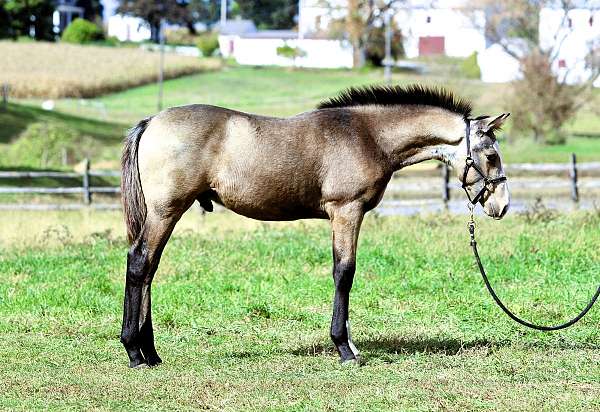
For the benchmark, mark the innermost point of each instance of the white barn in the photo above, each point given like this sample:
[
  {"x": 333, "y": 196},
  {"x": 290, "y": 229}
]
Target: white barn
[
  {"x": 441, "y": 27},
  {"x": 570, "y": 36}
]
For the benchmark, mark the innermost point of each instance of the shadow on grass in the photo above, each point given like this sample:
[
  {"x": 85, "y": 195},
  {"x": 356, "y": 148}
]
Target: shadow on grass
[
  {"x": 18, "y": 116},
  {"x": 405, "y": 346}
]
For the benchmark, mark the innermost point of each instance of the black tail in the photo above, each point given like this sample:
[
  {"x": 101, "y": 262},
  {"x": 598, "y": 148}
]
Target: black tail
[{"x": 132, "y": 196}]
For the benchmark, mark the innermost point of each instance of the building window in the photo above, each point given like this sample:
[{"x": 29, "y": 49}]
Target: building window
[
  {"x": 570, "y": 23},
  {"x": 428, "y": 19},
  {"x": 591, "y": 21}
]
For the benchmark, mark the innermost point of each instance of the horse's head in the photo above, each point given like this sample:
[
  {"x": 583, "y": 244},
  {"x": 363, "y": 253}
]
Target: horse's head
[{"x": 483, "y": 179}]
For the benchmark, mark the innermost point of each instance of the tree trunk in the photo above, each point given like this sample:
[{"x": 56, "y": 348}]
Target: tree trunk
[
  {"x": 355, "y": 27},
  {"x": 358, "y": 56},
  {"x": 155, "y": 32}
]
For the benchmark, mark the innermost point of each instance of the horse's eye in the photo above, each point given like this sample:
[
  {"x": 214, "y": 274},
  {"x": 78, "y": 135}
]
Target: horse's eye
[{"x": 491, "y": 157}]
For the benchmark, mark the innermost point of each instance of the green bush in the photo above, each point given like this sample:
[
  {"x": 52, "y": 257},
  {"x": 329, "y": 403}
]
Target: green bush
[
  {"x": 375, "y": 46},
  {"x": 45, "y": 145},
  {"x": 81, "y": 31},
  {"x": 180, "y": 37},
  {"x": 290, "y": 52},
  {"x": 208, "y": 43},
  {"x": 470, "y": 68}
]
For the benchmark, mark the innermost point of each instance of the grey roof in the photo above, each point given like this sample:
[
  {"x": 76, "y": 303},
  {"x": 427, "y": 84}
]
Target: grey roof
[
  {"x": 236, "y": 27},
  {"x": 272, "y": 34}
]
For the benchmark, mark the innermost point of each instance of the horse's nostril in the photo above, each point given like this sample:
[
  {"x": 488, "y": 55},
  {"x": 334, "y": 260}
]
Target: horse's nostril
[{"x": 504, "y": 210}]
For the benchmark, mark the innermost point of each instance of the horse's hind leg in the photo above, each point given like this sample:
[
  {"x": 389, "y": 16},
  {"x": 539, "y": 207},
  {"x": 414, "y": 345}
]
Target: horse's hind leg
[{"x": 142, "y": 261}]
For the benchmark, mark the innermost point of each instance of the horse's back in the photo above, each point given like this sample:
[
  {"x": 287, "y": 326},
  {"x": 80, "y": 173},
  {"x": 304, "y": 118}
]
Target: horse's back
[{"x": 258, "y": 166}]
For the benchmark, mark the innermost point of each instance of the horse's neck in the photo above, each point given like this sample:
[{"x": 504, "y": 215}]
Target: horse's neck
[{"x": 413, "y": 134}]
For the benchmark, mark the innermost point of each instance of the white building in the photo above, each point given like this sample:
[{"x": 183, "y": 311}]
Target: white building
[
  {"x": 570, "y": 36},
  {"x": 441, "y": 27},
  {"x": 127, "y": 28}
]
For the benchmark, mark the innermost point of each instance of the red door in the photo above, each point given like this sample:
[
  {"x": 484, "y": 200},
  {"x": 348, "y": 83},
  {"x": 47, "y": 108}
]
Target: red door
[{"x": 431, "y": 45}]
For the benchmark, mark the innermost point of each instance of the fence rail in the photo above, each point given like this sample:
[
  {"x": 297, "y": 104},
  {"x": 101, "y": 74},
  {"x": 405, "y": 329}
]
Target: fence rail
[{"x": 87, "y": 190}]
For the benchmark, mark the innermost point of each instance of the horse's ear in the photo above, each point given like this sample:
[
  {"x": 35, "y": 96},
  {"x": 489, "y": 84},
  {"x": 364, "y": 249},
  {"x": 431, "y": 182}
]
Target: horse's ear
[{"x": 496, "y": 123}]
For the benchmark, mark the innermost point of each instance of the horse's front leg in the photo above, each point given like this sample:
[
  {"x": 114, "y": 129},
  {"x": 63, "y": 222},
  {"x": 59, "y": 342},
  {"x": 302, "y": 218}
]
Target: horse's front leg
[{"x": 345, "y": 224}]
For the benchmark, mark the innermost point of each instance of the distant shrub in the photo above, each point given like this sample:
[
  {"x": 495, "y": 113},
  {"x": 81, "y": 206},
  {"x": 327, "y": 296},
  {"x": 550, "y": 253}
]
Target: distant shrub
[
  {"x": 44, "y": 144},
  {"x": 470, "y": 68},
  {"x": 82, "y": 31},
  {"x": 111, "y": 41},
  {"x": 375, "y": 46},
  {"x": 208, "y": 43},
  {"x": 546, "y": 103},
  {"x": 180, "y": 37},
  {"x": 290, "y": 52}
]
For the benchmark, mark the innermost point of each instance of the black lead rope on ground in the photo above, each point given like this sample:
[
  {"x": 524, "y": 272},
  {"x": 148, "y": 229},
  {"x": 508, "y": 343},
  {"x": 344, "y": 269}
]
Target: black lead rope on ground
[
  {"x": 514, "y": 317},
  {"x": 470, "y": 163}
]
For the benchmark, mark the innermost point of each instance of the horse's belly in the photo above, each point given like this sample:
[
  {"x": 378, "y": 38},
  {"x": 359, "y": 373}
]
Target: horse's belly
[
  {"x": 268, "y": 200},
  {"x": 282, "y": 210}
]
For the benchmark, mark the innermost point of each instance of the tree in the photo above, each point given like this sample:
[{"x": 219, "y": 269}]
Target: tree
[
  {"x": 92, "y": 10},
  {"x": 544, "y": 96},
  {"x": 361, "y": 17},
  {"x": 152, "y": 11},
  {"x": 375, "y": 47},
  {"x": 269, "y": 14},
  {"x": 206, "y": 11},
  {"x": 20, "y": 16}
]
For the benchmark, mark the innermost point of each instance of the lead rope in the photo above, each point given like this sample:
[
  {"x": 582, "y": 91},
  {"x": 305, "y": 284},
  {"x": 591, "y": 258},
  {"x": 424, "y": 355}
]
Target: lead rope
[{"x": 471, "y": 226}]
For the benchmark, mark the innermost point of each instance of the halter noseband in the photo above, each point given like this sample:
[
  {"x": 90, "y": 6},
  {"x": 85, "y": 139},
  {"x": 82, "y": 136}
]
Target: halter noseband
[{"x": 470, "y": 163}]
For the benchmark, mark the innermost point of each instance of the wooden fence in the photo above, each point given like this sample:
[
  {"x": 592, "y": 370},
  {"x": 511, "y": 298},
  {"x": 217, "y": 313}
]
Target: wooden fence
[{"x": 87, "y": 190}]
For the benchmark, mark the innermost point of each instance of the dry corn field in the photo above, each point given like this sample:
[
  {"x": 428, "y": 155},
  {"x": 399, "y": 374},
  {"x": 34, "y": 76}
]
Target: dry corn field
[{"x": 54, "y": 70}]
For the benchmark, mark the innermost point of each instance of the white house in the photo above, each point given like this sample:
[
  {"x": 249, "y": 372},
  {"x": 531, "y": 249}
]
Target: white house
[
  {"x": 127, "y": 28},
  {"x": 441, "y": 27},
  {"x": 241, "y": 40},
  {"x": 569, "y": 36},
  {"x": 444, "y": 27}
]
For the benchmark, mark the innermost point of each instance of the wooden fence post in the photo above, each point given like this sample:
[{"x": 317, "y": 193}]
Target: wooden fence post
[
  {"x": 573, "y": 173},
  {"x": 445, "y": 182},
  {"x": 5, "y": 88},
  {"x": 87, "y": 195}
]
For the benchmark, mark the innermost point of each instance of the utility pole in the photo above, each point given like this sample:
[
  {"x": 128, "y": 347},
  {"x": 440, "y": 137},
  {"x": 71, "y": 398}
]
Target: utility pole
[
  {"x": 300, "y": 21},
  {"x": 387, "y": 61},
  {"x": 223, "y": 13},
  {"x": 161, "y": 70}
]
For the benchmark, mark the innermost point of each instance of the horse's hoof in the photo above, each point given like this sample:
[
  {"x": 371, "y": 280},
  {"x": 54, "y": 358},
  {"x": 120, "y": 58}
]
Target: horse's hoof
[
  {"x": 349, "y": 363},
  {"x": 153, "y": 361},
  {"x": 138, "y": 365}
]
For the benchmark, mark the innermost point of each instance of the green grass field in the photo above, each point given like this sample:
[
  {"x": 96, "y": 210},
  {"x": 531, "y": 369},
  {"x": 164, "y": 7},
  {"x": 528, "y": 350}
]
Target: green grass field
[
  {"x": 242, "y": 313},
  {"x": 279, "y": 92}
]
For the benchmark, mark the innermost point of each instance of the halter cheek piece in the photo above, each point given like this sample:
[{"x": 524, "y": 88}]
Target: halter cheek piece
[{"x": 470, "y": 163}]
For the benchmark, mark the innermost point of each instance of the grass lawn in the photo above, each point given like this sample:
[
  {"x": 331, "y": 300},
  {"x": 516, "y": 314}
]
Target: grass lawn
[
  {"x": 282, "y": 92},
  {"x": 242, "y": 313}
]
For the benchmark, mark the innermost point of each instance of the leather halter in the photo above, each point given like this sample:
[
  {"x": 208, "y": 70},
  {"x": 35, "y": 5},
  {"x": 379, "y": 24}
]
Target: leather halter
[{"x": 470, "y": 163}]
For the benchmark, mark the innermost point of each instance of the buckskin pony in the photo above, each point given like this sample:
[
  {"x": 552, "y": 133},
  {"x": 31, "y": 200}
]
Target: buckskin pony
[{"x": 333, "y": 163}]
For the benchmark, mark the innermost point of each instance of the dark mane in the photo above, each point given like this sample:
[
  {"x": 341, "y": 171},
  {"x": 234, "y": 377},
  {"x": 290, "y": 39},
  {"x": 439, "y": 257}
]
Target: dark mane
[{"x": 399, "y": 95}]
